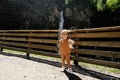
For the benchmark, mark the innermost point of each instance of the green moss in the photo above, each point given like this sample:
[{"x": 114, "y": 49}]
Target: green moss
[{"x": 100, "y": 68}]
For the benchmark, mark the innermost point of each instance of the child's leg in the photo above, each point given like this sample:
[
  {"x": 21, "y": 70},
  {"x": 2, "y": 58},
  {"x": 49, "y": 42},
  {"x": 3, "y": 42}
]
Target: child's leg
[
  {"x": 68, "y": 60},
  {"x": 63, "y": 60}
]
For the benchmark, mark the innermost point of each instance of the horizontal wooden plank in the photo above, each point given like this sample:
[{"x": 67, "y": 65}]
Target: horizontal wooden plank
[
  {"x": 44, "y": 47},
  {"x": 100, "y": 43},
  {"x": 44, "y": 41},
  {"x": 28, "y": 31},
  {"x": 14, "y": 44},
  {"x": 97, "y": 35},
  {"x": 30, "y": 40},
  {"x": 44, "y": 35},
  {"x": 14, "y": 39},
  {"x": 31, "y": 34},
  {"x": 101, "y": 29},
  {"x": 99, "y": 53},
  {"x": 100, "y": 62},
  {"x": 14, "y": 48},
  {"x": 45, "y": 53}
]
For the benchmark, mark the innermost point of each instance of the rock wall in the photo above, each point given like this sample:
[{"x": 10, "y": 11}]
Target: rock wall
[
  {"x": 30, "y": 14},
  {"x": 77, "y": 14}
]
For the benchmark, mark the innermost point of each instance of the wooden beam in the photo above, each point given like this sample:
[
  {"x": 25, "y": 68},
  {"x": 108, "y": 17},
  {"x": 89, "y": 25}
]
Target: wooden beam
[
  {"x": 31, "y": 40},
  {"x": 32, "y": 35},
  {"x": 115, "y": 44},
  {"x": 101, "y": 29},
  {"x": 111, "y": 54},
  {"x": 98, "y": 35}
]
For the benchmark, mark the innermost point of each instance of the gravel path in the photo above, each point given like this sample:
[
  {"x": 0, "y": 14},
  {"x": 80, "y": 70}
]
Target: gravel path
[{"x": 16, "y": 68}]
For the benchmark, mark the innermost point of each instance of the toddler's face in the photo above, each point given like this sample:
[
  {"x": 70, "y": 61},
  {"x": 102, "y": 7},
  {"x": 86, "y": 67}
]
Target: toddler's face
[{"x": 64, "y": 35}]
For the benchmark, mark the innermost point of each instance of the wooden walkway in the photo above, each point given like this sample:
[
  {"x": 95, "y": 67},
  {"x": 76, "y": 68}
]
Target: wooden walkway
[{"x": 16, "y": 67}]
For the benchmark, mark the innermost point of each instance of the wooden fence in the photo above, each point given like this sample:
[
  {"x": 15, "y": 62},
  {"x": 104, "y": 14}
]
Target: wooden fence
[{"x": 97, "y": 45}]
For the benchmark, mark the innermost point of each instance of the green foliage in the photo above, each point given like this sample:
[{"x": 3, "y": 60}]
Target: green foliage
[
  {"x": 102, "y": 5},
  {"x": 98, "y": 4},
  {"x": 100, "y": 68},
  {"x": 112, "y": 4},
  {"x": 67, "y": 2}
]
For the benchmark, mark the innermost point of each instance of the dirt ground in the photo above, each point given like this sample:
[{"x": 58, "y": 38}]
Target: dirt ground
[{"x": 14, "y": 67}]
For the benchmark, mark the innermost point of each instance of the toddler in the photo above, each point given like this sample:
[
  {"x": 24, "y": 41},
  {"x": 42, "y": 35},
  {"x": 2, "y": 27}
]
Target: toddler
[{"x": 65, "y": 46}]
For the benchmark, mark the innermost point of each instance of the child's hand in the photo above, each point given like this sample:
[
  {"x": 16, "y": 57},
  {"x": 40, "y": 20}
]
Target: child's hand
[
  {"x": 71, "y": 42},
  {"x": 71, "y": 46}
]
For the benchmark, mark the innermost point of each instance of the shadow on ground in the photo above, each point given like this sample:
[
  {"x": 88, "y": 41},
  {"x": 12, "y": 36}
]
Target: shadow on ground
[
  {"x": 77, "y": 69},
  {"x": 72, "y": 76}
]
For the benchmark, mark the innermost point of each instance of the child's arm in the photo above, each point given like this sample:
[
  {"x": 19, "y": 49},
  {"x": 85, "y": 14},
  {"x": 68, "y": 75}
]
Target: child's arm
[
  {"x": 58, "y": 44},
  {"x": 71, "y": 42}
]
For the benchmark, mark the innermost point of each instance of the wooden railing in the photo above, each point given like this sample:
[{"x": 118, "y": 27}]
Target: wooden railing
[
  {"x": 30, "y": 41},
  {"x": 97, "y": 45}
]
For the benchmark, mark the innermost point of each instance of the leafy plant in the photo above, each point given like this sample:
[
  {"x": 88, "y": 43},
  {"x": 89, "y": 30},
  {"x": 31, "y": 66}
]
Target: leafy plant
[
  {"x": 112, "y": 5},
  {"x": 67, "y": 1},
  {"x": 102, "y": 5}
]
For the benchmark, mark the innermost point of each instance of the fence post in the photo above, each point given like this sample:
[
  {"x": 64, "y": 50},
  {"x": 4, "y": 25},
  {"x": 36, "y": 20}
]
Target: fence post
[
  {"x": 76, "y": 51},
  {"x": 1, "y": 46},
  {"x": 1, "y": 49},
  {"x": 29, "y": 45}
]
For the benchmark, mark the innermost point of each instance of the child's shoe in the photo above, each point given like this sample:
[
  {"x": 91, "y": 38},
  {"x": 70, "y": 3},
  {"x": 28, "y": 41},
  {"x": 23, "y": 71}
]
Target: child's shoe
[
  {"x": 70, "y": 70},
  {"x": 62, "y": 69}
]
